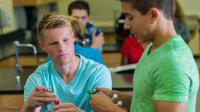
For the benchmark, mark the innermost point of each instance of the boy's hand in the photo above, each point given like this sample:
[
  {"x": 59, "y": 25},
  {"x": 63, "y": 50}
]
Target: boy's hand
[
  {"x": 40, "y": 96},
  {"x": 102, "y": 103},
  {"x": 66, "y": 107}
]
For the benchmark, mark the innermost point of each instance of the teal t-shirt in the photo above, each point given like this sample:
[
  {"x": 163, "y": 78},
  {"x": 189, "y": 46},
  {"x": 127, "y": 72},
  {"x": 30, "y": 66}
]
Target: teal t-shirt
[
  {"x": 89, "y": 75},
  {"x": 169, "y": 74}
]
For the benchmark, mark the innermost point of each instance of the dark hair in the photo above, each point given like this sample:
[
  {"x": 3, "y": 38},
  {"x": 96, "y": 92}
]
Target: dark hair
[
  {"x": 83, "y": 5},
  {"x": 143, "y": 6}
]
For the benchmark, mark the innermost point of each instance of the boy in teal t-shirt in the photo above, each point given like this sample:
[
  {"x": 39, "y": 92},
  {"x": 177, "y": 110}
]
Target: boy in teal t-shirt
[{"x": 67, "y": 77}]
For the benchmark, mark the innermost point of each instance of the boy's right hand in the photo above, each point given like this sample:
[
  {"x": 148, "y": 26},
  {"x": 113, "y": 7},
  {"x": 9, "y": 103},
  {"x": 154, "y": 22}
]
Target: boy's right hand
[
  {"x": 106, "y": 91},
  {"x": 40, "y": 96},
  {"x": 97, "y": 41}
]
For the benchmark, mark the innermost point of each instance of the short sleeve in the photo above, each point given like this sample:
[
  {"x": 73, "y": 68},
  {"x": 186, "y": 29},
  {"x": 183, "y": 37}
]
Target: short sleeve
[
  {"x": 171, "y": 82},
  {"x": 103, "y": 78}
]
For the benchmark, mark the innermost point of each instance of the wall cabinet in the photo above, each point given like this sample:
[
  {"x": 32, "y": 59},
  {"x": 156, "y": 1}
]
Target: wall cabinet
[
  {"x": 11, "y": 102},
  {"x": 22, "y": 3}
]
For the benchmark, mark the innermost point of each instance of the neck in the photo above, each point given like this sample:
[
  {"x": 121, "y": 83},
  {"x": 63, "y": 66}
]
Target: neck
[
  {"x": 164, "y": 32},
  {"x": 67, "y": 71}
]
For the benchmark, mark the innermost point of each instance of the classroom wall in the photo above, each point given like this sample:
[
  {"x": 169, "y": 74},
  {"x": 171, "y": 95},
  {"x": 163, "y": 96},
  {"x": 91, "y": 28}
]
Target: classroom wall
[
  {"x": 190, "y": 7},
  {"x": 7, "y": 6},
  {"x": 103, "y": 12}
]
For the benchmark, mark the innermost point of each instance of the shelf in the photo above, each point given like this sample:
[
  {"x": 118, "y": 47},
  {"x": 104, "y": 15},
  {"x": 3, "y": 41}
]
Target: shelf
[{"x": 22, "y": 3}]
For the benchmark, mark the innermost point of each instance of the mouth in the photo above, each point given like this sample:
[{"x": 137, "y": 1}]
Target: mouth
[
  {"x": 62, "y": 56},
  {"x": 133, "y": 34}
]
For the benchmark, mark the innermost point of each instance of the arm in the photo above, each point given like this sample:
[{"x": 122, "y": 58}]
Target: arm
[
  {"x": 163, "y": 106},
  {"x": 125, "y": 97},
  {"x": 102, "y": 103},
  {"x": 97, "y": 41},
  {"x": 173, "y": 87},
  {"x": 124, "y": 60}
]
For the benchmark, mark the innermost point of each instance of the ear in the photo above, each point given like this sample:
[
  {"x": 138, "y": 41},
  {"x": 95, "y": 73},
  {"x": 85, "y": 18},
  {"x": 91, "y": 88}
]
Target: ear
[
  {"x": 41, "y": 45},
  {"x": 154, "y": 14},
  {"x": 73, "y": 36}
]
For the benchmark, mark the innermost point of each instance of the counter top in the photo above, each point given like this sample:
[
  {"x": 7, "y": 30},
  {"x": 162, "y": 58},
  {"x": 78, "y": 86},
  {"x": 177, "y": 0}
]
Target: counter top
[{"x": 9, "y": 84}]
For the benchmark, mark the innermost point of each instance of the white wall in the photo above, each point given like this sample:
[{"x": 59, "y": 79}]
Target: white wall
[
  {"x": 7, "y": 5},
  {"x": 103, "y": 12},
  {"x": 191, "y": 7}
]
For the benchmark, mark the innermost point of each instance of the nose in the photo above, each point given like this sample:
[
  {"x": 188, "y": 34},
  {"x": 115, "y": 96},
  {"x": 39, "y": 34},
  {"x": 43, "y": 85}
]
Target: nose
[
  {"x": 81, "y": 20},
  {"x": 60, "y": 47},
  {"x": 126, "y": 25}
]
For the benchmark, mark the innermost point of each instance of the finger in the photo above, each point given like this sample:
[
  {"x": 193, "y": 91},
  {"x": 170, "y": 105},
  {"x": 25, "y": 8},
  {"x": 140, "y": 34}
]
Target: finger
[
  {"x": 66, "y": 110},
  {"x": 65, "y": 105},
  {"x": 45, "y": 99},
  {"x": 104, "y": 90},
  {"x": 94, "y": 33},
  {"x": 40, "y": 88},
  {"x": 44, "y": 94},
  {"x": 39, "y": 103}
]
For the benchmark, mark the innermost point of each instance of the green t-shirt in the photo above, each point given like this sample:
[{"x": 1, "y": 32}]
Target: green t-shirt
[{"x": 169, "y": 74}]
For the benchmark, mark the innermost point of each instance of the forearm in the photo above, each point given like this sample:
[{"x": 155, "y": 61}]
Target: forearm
[
  {"x": 124, "y": 60},
  {"x": 125, "y": 97}
]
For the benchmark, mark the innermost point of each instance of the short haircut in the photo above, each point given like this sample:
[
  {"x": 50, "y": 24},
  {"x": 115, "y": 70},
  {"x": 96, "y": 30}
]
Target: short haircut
[
  {"x": 143, "y": 6},
  {"x": 79, "y": 4},
  {"x": 52, "y": 21}
]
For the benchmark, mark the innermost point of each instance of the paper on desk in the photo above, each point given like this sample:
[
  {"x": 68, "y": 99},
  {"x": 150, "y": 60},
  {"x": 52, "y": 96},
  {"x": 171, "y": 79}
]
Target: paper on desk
[{"x": 122, "y": 68}]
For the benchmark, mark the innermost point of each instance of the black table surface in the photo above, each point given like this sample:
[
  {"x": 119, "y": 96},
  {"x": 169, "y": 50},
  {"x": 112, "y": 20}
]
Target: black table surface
[{"x": 10, "y": 84}]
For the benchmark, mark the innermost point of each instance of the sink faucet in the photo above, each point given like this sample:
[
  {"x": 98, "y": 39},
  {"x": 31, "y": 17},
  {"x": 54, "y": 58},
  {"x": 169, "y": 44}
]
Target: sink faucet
[{"x": 17, "y": 66}]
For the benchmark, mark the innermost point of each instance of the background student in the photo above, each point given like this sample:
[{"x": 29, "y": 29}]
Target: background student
[{"x": 80, "y": 9}]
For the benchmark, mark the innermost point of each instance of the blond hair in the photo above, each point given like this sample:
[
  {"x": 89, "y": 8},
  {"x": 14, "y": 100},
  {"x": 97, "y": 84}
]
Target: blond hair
[
  {"x": 77, "y": 28},
  {"x": 52, "y": 21}
]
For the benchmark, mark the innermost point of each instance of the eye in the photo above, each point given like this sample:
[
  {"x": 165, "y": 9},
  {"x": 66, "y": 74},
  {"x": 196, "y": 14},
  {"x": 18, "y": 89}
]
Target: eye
[
  {"x": 65, "y": 40},
  {"x": 128, "y": 17},
  {"x": 83, "y": 17},
  {"x": 52, "y": 43}
]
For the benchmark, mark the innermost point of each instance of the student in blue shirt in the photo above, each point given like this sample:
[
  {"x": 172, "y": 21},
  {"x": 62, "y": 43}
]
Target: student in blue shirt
[
  {"x": 93, "y": 35},
  {"x": 67, "y": 77},
  {"x": 89, "y": 53}
]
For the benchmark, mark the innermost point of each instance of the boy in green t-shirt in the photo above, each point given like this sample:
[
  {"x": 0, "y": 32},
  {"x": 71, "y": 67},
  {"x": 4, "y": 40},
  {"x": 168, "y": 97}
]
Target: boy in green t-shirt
[{"x": 166, "y": 78}]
